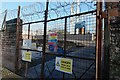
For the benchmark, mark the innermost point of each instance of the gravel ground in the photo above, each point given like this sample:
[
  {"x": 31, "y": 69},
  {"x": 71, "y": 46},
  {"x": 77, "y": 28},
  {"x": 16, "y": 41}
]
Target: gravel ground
[{"x": 8, "y": 74}]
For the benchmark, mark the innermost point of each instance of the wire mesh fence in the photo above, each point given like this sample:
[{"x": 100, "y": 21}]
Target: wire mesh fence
[
  {"x": 74, "y": 34},
  {"x": 78, "y": 45}
]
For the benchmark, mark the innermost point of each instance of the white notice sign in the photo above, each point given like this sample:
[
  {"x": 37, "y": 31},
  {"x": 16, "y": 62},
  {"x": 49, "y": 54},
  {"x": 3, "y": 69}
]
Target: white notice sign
[
  {"x": 39, "y": 48},
  {"x": 33, "y": 46},
  {"x": 27, "y": 43}
]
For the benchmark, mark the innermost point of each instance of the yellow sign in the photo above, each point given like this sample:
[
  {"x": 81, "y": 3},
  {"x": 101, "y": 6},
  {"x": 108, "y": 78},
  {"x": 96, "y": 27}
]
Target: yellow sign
[
  {"x": 26, "y": 56},
  {"x": 64, "y": 65}
]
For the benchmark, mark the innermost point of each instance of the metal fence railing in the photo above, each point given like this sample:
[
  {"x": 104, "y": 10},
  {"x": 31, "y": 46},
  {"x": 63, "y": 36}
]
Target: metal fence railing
[{"x": 71, "y": 37}]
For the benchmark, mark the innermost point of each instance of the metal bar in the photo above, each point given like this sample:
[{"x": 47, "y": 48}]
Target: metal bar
[
  {"x": 30, "y": 50},
  {"x": 50, "y": 73},
  {"x": 61, "y": 17},
  {"x": 44, "y": 44},
  {"x": 4, "y": 21},
  {"x": 86, "y": 71},
  {"x": 69, "y": 56},
  {"x": 26, "y": 67},
  {"x": 65, "y": 30},
  {"x": 74, "y": 75},
  {"x": 26, "y": 64},
  {"x": 17, "y": 41},
  {"x": 98, "y": 40},
  {"x": 29, "y": 31},
  {"x": 56, "y": 18},
  {"x": 36, "y": 71},
  {"x": 72, "y": 15}
]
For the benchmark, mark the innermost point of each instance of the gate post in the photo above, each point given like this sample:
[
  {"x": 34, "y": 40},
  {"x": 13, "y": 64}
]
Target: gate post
[
  {"x": 44, "y": 44},
  {"x": 17, "y": 40},
  {"x": 98, "y": 39}
]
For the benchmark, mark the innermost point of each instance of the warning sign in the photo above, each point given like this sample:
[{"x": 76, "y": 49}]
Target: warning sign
[
  {"x": 26, "y": 56},
  {"x": 64, "y": 65}
]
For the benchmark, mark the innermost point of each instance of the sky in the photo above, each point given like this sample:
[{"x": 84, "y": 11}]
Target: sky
[{"x": 14, "y": 5}]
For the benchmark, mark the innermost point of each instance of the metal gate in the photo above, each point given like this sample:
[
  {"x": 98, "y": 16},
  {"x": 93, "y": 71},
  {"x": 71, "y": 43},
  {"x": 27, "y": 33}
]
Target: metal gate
[
  {"x": 77, "y": 38},
  {"x": 77, "y": 45}
]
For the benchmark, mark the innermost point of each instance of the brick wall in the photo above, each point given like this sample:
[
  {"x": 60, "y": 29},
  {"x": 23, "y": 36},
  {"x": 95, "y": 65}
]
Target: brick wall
[
  {"x": 114, "y": 28},
  {"x": 8, "y": 40},
  {"x": 115, "y": 48},
  {"x": 0, "y": 48},
  {"x": 9, "y": 49}
]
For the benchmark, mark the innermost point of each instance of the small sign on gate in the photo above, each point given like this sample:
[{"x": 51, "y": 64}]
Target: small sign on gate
[
  {"x": 39, "y": 48},
  {"x": 33, "y": 46},
  {"x": 64, "y": 65},
  {"x": 26, "y": 56},
  {"x": 27, "y": 43}
]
